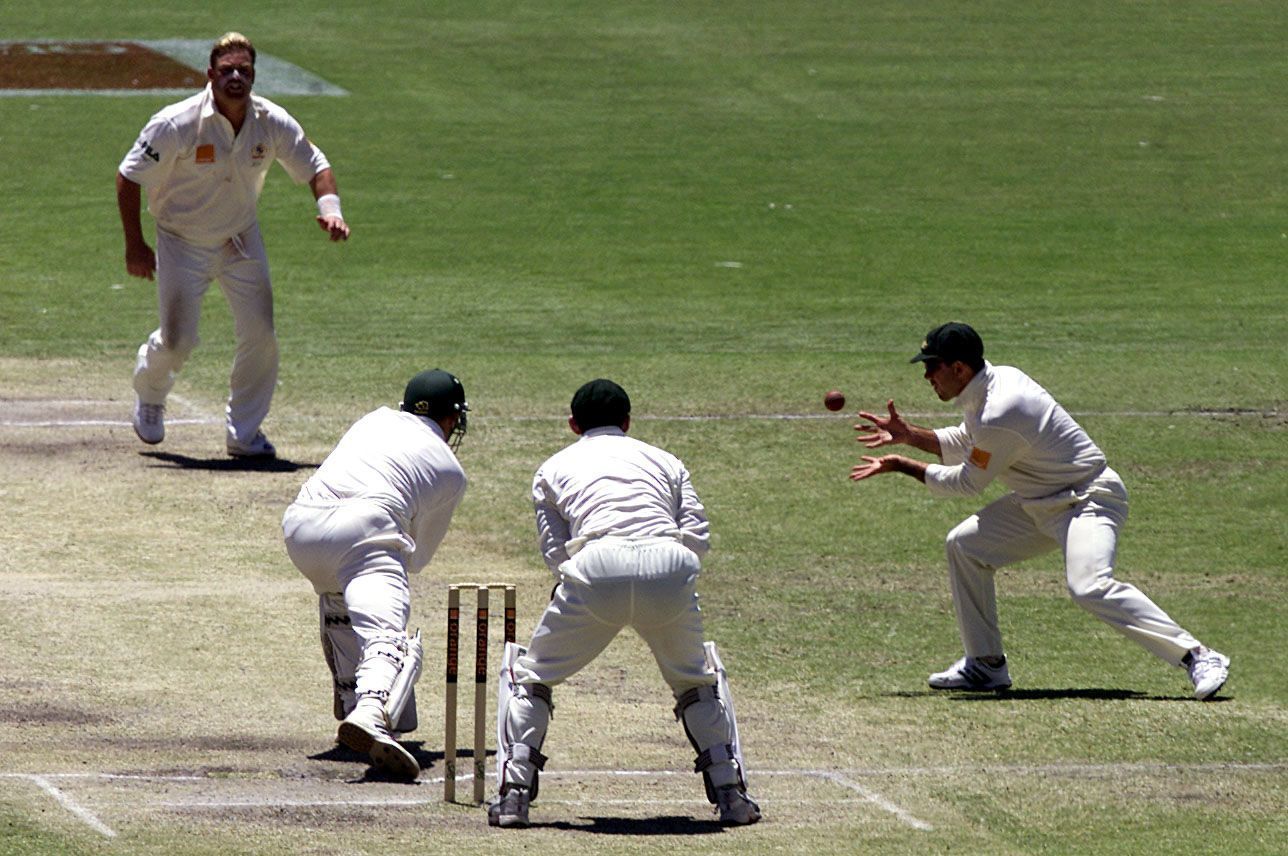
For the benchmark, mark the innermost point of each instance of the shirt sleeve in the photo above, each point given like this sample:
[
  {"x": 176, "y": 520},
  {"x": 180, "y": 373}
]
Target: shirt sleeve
[
  {"x": 430, "y": 526},
  {"x": 296, "y": 153},
  {"x": 989, "y": 454},
  {"x": 954, "y": 443},
  {"x": 149, "y": 161},
  {"x": 552, "y": 530},
  {"x": 695, "y": 531}
]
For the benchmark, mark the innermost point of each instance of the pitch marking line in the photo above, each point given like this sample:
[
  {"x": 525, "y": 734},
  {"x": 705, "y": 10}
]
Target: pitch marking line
[
  {"x": 728, "y": 417},
  {"x": 111, "y": 423},
  {"x": 841, "y": 778},
  {"x": 877, "y": 800},
  {"x": 87, "y": 816}
]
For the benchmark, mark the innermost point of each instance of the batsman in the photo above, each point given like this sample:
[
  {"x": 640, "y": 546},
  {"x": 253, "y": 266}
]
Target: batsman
[
  {"x": 376, "y": 510},
  {"x": 622, "y": 529}
]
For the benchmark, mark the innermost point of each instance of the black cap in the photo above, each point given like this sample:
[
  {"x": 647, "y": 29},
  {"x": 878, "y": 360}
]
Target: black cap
[
  {"x": 952, "y": 342},
  {"x": 600, "y": 402},
  {"x": 435, "y": 394}
]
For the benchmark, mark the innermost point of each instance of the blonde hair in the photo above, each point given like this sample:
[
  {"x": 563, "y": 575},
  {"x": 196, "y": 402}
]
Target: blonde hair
[{"x": 229, "y": 42}]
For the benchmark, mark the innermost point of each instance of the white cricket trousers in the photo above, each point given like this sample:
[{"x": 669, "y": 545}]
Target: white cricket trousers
[
  {"x": 1084, "y": 525},
  {"x": 184, "y": 273},
  {"x": 648, "y": 584},
  {"x": 355, "y": 548}
]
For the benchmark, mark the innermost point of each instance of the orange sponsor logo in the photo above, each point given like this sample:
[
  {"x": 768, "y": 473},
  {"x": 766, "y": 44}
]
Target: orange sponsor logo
[
  {"x": 980, "y": 458},
  {"x": 206, "y": 153}
]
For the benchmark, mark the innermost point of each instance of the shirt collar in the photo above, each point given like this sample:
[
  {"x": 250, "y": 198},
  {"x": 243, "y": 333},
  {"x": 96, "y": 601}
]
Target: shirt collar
[
  {"x": 425, "y": 420},
  {"x": 208, "y": 107},
  {"x": 208, "y": 102},
  {"x": 604, "y": 431},
  {"x": 972, "y": 396}
]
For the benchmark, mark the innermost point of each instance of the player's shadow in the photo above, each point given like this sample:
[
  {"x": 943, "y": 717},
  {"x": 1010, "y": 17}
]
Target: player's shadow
[
  {"x": 424, "y": 757},
  {"x": 1091, "y": 693},
  {"x": 637, "y": 826},
  {"x": 172, "y": 460}
]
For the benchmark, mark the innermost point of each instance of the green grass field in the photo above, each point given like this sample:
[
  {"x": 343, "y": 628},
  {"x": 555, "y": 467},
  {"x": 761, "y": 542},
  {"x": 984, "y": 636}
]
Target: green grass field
[{"x": 728, "y": 208}]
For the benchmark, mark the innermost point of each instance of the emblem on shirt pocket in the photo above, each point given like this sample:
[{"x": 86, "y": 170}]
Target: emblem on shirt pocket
[
  {"x": 980, "y": 458},
  {"x": 258, "y": 152},
  {"x": 206, "y": 153}
]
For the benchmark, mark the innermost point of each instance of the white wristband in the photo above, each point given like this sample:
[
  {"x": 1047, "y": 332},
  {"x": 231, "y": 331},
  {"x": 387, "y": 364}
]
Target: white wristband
[{"x": 329, "y": 206}]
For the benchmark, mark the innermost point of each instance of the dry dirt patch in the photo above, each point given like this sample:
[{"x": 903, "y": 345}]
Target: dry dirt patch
[{"x": 91, "y": 65}]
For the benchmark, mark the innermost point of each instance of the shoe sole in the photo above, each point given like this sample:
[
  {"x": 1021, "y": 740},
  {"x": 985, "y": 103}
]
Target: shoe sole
[
  {"x": 390, "y": 756},
  {"x": 1207, "y": 695},
  {"x": 512, "y": 822},
  {"x": 1225, "y": 664},
  {"x": 970, "y": 689},
  {"x": 138, "y": 434},
  {"x": 355, "y": 737}
]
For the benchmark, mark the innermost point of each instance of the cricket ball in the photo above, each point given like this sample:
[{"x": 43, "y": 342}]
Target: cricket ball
[{"x": 834, "y": 400}]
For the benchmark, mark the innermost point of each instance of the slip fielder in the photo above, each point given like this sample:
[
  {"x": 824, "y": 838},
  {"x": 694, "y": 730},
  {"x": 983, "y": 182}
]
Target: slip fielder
[{"x": 1062, "y": 496}]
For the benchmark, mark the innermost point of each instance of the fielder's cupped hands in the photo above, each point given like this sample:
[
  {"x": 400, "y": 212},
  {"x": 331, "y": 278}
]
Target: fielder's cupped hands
[
  {"x": 140, "y": 261},
  {"x": 883, "y": 431},
  {"x": 334, "y": 226},
  {"x": 872, "y": 466}
]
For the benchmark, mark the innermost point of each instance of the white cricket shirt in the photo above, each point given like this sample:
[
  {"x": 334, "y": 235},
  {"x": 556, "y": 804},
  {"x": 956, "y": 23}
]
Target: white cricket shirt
[
  {"x": 609, "y": 484},
  {"x": 1014, "y": 431},
  {"x": 203, "y": 181},
  {"x": 401, "y": 462}
]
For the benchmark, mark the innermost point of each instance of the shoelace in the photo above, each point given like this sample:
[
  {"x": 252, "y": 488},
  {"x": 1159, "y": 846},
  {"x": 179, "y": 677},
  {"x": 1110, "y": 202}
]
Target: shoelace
[
  {"x": 1205, "y": 664},
  {"x": 151, "y": 413}
]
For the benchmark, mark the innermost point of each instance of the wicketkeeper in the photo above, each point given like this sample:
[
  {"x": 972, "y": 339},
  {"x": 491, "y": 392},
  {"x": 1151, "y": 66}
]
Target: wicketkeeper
[
  {"x": 622, "y": 529},
  {"x": 376, "y": 510}
]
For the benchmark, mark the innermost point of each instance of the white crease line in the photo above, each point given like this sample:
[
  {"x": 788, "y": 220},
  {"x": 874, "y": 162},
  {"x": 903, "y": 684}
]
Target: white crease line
[
  {"x": 74, "y": 807},
  {"x": 86, "y": 423},
  {"x": 783, "y": 417},
  {"x": 111, "y": 423},
  {"x": 877, "y": 800},
  {"x": 483, "y": 418},
  {"x": 841, "y": 778},
  {"x": 212, "y": 804},
  {"x": 1019, "y": 769}
]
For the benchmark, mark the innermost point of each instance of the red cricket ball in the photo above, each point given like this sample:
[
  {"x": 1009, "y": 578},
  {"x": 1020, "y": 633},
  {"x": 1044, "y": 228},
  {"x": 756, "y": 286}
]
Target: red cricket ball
[{"x": 834, "y": 400}]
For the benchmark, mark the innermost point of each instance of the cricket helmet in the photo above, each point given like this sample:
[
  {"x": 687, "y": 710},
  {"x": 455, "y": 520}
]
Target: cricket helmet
[{"x": 437, "y": 394}]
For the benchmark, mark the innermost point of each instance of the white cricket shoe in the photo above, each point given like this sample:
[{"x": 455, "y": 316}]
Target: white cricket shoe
[
  {"x": 149, "y": 422},
  {"x": 971, "y": 674},
  {"x": 735, "y": 807},
  {"x": 258, "y": 447},
  {"x": 1208, "y": 670},
  {"x": 365, "y": 730},
  {"x": 510, "y": 809}
]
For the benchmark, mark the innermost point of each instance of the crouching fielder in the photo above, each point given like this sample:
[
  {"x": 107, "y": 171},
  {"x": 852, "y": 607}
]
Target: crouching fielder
[
  {"x": 376, "y": 510},
  {"x": 622, "y": 528}
]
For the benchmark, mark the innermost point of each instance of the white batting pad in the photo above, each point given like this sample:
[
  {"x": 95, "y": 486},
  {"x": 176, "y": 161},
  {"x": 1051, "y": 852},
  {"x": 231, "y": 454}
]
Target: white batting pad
[
  {"x": 401, "y": 704},
  {"x": 342, "y": 650},
  {"x": 716, "y": 665}
]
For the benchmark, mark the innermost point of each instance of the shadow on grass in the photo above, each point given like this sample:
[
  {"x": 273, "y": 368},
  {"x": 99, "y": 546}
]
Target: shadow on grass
[
  {"x": 1093, "y": 693},
  {"x": 671, "y": 825},
  {"x": 233, "y": 465},
  {"x": 425, "y": 758}
]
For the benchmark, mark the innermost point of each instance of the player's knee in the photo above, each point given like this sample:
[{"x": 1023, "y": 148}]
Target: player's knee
[
  {"x": 181, "y": 346},
  {"x": 258, "y": 334},
  {"x": 1086, "y": 586},
  {"x": 958, "y": 540}
]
